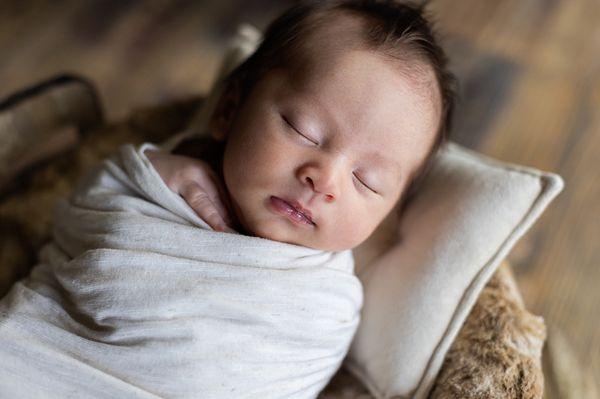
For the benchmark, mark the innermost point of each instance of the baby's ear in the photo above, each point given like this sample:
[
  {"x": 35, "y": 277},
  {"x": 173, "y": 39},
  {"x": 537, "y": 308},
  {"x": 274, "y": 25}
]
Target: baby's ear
[{"x": 225, "y": 111}]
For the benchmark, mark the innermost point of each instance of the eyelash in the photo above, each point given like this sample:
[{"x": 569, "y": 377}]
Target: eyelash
[
  {"x": 364, "y": 185},
  {"x": 296, "y": 130}
]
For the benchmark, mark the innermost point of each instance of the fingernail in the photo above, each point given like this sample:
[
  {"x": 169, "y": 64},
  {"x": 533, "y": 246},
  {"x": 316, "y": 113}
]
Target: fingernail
[
  {"x": 223, "y": 228},
  {"x": 229, "y": 230}
]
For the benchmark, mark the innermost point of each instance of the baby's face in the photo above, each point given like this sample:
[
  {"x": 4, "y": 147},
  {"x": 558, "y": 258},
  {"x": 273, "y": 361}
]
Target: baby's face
[{"x": 340, "y": 139}]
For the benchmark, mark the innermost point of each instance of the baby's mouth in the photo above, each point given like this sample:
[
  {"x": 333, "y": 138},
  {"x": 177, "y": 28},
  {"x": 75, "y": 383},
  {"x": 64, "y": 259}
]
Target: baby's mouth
[{"x": 291, "y": 209}]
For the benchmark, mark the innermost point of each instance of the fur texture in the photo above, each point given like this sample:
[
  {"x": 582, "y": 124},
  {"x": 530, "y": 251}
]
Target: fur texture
[{"x": 495, "y": 355}]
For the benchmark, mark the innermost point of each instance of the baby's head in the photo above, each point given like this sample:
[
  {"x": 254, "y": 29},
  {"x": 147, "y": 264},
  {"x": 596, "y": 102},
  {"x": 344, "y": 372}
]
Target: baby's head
[{"x": 340, "y": 111}]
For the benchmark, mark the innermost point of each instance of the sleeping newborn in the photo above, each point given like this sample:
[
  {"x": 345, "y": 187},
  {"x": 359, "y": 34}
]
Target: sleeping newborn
[
  {"x": 316, "y": 138},
  {"x": 322, "y": 136}
]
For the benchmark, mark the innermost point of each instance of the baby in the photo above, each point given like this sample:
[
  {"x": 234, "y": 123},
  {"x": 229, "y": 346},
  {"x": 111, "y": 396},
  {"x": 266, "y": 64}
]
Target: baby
[
  {"x": 329, "y": 125},
  {"x": 317, "y": 137}
]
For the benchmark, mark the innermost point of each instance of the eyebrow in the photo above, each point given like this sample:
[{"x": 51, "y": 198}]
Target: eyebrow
[{"x": 391, "y": 163}]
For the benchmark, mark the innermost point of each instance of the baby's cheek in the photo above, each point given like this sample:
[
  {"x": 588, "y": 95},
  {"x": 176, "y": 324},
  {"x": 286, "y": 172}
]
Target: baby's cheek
[{"x": 348, "y": 231}]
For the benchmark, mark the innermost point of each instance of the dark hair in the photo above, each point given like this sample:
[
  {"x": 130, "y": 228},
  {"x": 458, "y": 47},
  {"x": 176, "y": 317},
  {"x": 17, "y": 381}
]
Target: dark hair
[{"x": 398, "y": 30}]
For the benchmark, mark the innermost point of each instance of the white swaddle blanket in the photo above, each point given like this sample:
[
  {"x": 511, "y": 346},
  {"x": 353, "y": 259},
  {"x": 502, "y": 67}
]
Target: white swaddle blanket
[{"x": 137, "y": 297}]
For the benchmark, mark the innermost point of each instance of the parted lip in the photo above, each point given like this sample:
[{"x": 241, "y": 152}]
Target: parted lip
[{"x": 298, "y": 206}]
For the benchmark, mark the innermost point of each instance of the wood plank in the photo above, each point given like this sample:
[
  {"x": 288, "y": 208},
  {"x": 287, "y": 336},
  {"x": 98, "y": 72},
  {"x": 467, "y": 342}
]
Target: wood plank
[{"x": 550, "y": 122}]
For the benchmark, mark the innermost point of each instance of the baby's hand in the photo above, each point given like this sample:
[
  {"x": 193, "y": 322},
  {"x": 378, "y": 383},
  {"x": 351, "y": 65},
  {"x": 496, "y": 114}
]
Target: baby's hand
[{"x": 197, "y": 183}]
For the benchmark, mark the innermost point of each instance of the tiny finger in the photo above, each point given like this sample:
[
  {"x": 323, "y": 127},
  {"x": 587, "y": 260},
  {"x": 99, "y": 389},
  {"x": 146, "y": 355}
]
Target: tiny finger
[
  {"x": 215, "y": 193},
  {"x": 201, "y": 203}
]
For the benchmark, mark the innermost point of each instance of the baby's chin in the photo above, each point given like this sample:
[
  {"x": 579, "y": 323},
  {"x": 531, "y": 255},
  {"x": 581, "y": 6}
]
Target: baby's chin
[
  {"x": 273, "y": 229},
  {"x": 283, "y": 231}
]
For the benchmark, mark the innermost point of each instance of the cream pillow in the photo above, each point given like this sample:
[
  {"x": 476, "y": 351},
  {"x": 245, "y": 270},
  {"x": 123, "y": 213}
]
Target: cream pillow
[{"x": 464, "y": 220}]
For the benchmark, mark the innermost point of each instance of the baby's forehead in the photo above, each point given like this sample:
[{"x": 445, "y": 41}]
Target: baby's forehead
[
  {"x": 339, "y": 32},
  {"x": 350, "y": 76},
  {"x": 329, "y": 32}
]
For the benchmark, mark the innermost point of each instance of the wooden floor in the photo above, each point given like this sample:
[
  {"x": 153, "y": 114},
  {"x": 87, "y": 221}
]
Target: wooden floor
[{"x": 530, "y": 76}]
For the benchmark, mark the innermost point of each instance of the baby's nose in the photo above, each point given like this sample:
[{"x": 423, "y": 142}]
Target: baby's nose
[
  {"x": 328, "y": 197},
  {"x": 321, "y": 181}
]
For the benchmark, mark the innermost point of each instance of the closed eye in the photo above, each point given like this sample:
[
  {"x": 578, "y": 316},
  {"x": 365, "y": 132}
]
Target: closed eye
[
  {"x": 296, "y": 130},
  {"x": 363, "y": 183}
]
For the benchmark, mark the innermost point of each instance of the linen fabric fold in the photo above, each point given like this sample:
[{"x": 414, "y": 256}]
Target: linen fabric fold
[{"x": 136, "y": 296}]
